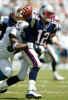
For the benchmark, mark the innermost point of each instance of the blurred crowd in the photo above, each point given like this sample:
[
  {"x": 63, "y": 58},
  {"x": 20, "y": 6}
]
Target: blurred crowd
[{"x": 60, "y": 6}]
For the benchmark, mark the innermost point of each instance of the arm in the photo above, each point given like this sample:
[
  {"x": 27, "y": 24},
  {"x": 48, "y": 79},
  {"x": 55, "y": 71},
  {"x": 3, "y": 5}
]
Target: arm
[
  {"x": 2, "y": 29},
  {"x": 16, "y": 44},
  {"x": 56, "y": 42}
]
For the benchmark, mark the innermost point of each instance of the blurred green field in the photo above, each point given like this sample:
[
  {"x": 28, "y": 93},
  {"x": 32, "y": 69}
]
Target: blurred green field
[{"x": 49, "y": 88}]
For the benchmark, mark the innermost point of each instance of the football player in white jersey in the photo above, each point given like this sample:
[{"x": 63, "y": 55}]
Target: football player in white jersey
[
  {"x": 9, "y": 22},
  {"x": 7, "y": 49},
  {"x": 9, "y": 45}
]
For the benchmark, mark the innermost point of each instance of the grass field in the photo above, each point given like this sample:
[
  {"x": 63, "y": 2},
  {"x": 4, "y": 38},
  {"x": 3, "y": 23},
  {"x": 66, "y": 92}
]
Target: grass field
[{"x": 49, "y": 88}]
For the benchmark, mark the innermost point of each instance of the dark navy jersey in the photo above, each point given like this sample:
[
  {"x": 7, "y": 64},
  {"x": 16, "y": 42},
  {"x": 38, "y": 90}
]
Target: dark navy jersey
[
  {"x": 31, "y": 31},
  {"x": 37, "y": 32},
  {"x": 5, "y": 23},
  {"x": 11, "y": 22}
]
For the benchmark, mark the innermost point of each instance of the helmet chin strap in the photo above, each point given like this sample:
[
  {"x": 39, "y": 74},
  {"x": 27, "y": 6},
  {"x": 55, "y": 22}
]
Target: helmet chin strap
[{"x": 48, "y": 20}]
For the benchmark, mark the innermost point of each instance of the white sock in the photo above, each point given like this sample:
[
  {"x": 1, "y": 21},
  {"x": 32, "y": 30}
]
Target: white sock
[
  {"x": 32, "y": 85},
  {"x": 54, "y": 72}
]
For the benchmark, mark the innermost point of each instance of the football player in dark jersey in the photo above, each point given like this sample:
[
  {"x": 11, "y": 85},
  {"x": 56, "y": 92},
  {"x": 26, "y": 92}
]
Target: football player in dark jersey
[
  {"x": 40, "y": 31},
  {"x": 49, "y": 17}
]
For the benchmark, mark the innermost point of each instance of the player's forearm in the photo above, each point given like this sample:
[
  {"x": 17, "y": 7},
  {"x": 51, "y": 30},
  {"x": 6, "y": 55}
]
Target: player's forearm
[
  {"x": 57, "y": 43},
  {"x": 17, "y": 44},
  {"x": 21, "y": 46}
]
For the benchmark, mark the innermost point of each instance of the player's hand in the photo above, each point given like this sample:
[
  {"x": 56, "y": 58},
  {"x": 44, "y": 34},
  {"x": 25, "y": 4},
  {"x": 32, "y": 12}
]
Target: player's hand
[
  {"x": 45, "y": 45},
  {"x": 30, "y": 45}
]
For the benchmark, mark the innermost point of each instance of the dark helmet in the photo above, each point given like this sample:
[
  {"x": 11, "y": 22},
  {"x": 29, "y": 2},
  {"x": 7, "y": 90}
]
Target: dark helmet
[{"x": 26, "y": 11}]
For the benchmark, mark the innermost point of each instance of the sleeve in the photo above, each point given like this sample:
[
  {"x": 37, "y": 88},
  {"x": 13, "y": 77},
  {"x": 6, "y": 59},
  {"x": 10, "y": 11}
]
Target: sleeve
[
  {"x": 54, "y": 39},
  {"x": 57, "y": 27},
  {"x": 24, "y": 24},
  {"x": 13, "y": 31}
]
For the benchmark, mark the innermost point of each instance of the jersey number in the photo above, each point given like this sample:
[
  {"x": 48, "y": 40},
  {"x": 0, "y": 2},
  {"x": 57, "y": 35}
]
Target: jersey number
[{"x": 42, "y": 36}]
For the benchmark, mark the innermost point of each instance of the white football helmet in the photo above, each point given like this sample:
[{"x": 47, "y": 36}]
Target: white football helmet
[{"x": 46, "y": 12}]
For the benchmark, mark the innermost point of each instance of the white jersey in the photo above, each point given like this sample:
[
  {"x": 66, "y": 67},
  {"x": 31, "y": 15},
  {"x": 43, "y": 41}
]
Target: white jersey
[
  {"x": 4, "y": 43},
  {"x": 18, "y": 30}
]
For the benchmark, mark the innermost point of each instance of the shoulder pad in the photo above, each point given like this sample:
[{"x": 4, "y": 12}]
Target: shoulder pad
[{"x": 22, "y": 24}]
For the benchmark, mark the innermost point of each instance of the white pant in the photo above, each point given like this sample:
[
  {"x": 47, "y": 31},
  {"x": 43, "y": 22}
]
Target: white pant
[
  {"x": 26, "y": 62},
  {"x": 23, "y": 64},
  {"x": 5, "y": 67},
  {"x": 53, "y": 53},
  {"x": 35, "y": 55}
]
